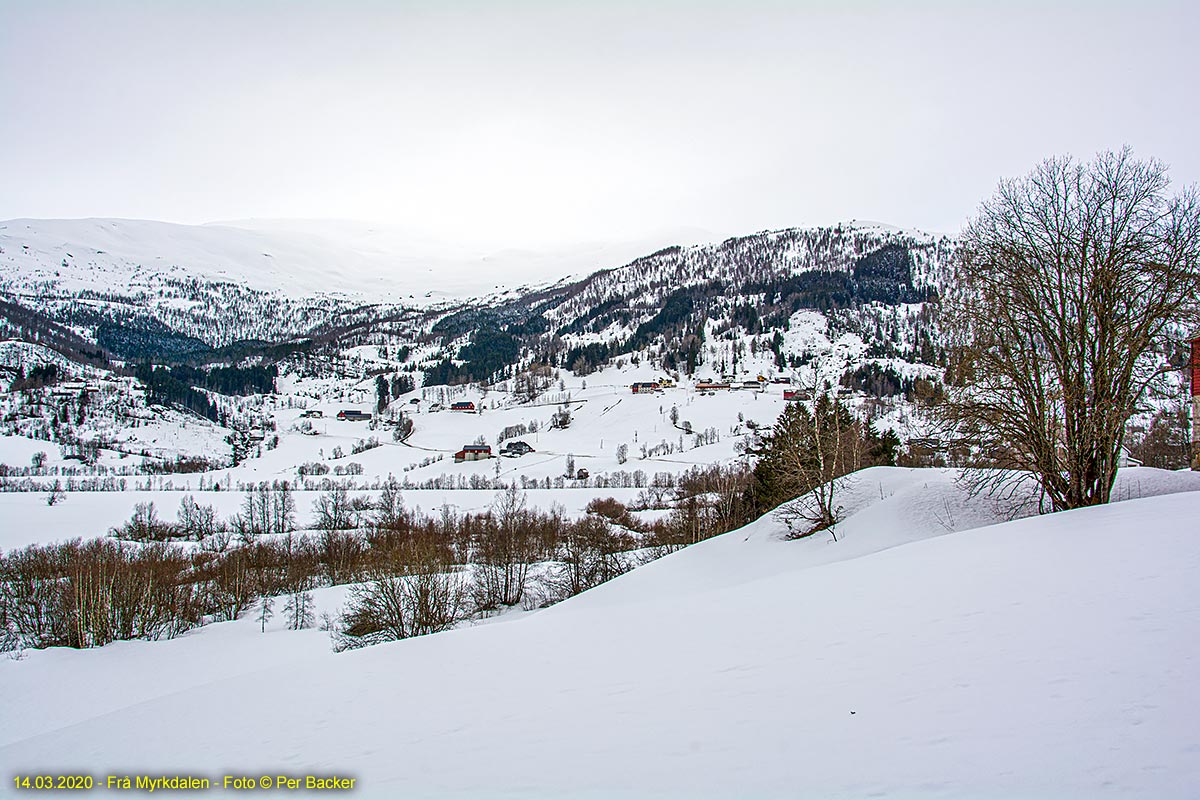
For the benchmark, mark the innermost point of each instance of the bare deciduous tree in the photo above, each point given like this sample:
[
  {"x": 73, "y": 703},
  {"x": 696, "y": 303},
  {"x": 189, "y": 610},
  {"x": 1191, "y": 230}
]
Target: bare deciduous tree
[
  {"x": 806, "y": 455},
  {"x": 196, "y": 521},
  {"x": 283, "y": 509},
  {"x": 299, "y": 610},
  {"x": 506, "y": 547},
  {"x": 266, "y": 610},
  {"x": 1066, "y": 283},
  {"x": 143, "y": 526},
  {"x": 333, "y": 511}
]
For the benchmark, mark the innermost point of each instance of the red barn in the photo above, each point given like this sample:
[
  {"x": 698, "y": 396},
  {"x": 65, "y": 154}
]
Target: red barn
[
  {"x": 1195, "y": 362},
  {"x": 473, "y": 452},
  {"x": 1195, "y": 367}
]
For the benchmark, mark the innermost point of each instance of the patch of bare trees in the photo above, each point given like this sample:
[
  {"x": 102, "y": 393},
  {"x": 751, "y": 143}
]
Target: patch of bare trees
[
  {"x": 1165, "y": 441},
  {"x": 144, "y": 526},
  {"x": 86, "y": 594},
  {"x": 197, "y": 521},
  {"x": 590, "y": 551},
  {"x": 413, "y": 574},
  {"x": 266, "y": 509},
  {"x": 506, "y": 546}
]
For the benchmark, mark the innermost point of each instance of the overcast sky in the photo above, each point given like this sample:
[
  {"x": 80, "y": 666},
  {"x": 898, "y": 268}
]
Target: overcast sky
[{"x": 518, "y": 124}]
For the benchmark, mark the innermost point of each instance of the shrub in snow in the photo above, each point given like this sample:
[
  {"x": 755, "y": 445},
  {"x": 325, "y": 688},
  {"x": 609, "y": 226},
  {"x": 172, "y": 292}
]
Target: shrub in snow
[
  {"x": 56, "y": 495},
  {"x": 414, "y": 590}
]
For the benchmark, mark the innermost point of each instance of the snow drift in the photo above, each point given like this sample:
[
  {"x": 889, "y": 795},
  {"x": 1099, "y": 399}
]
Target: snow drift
[{"x": 1050, "y": 656}]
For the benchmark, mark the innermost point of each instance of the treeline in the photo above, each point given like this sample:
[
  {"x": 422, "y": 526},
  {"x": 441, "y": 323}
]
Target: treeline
[
  {"x": 230, "y": 380},
  {"x": 179, "y": 385},
  {"x": 490, "y": 352},
  {"x": 39, "y": 377},
  {"x": 417, "y": 573},
  {"x": 145, "y": 338},
  {"x": 386, "y": 391},
  {"x": 884, "y": 381}
]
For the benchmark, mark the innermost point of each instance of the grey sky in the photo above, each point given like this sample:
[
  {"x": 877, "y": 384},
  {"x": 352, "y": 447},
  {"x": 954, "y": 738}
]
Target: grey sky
[{"x": 539, "y": 123}]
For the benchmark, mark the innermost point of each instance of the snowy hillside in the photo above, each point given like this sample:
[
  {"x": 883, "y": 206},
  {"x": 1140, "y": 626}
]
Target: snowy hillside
[
  {"x": 919, "y": 656},
  {"x": 274, "y": 280},
  {"x": 842, "y": 267},
  {"x": 210, "y": 284}
]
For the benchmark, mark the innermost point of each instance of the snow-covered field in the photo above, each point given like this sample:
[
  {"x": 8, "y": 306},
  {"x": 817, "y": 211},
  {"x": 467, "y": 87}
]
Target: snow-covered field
[
  {"x": 606, "y": 416},
  {"x": 26, "y": 519},
  {"x": 930, "y": 652}
]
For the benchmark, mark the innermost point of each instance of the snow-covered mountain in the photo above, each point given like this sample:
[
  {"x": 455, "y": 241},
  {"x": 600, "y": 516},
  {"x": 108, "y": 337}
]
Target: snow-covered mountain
[
  {"x": 737, "y": 309},
  {"x": 264, "y": 279},
  {"x": 215, "y": 285},
  {"x": 256, "y": 280},
  {"x": 448, "y": 269}
]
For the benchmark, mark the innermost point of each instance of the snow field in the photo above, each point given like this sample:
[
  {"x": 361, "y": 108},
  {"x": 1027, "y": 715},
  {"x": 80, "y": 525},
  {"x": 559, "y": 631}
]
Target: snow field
[{"x": 1049, "y": 656}]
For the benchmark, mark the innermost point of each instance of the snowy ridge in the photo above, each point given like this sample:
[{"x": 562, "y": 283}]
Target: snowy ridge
[
  {"x": 295, "y": 274},
  {"x": 882, "y": 508},
  {"x": 270, "y": 280},
  {"x": 756, "y": 258}
]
